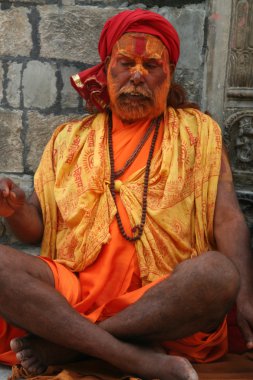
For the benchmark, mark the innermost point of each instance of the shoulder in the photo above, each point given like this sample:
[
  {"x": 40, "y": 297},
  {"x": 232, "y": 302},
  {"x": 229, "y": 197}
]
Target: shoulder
[
  {"x": 192, "y": 114},
  {"x": 77, "y": 128},
  {"x": 195, "y": 120},
  {"x": 195, "y": 128},
  {"x": 73, "y": 126}
]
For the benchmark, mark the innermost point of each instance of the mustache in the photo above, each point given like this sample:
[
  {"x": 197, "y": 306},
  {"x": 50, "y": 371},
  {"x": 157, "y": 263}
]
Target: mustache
[{"x": 136, "y": 91}]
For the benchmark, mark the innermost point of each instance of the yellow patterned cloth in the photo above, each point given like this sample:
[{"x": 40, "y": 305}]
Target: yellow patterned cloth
[{"x": 72, "y": 183}]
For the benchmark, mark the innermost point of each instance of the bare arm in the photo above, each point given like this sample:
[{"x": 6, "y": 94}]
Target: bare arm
[
  {"x": 233, "y": 239},
  {"x": 22, "y": 215}
]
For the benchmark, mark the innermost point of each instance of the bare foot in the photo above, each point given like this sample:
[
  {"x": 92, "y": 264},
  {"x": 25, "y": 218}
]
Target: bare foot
[
  {"x": 36, "y": 354},
  {"x": 173, "y": 368},
  {"x": 159, "y": 365}
]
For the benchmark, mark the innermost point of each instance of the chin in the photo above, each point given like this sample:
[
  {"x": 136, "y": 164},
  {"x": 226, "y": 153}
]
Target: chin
[{"x": 131, "y": 112}]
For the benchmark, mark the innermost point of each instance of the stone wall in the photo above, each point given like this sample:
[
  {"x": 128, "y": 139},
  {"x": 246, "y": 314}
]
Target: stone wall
[{"x": 43, "y": 42}]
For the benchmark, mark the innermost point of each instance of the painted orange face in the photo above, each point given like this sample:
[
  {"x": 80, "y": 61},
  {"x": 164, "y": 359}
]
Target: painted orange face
[{"x": 139, "y": 76}]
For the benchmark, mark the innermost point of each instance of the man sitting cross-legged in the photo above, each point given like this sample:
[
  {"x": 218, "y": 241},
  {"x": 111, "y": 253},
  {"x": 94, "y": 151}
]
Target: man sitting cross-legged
[{"x": 143, "y": 242}]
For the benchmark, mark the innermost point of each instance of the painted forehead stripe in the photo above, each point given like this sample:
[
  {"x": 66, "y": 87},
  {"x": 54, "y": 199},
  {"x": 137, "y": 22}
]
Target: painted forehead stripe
[{"x": 140, "y": 45}]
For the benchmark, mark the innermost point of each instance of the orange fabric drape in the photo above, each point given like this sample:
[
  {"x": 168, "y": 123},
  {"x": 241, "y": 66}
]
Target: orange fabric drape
[
  {"x": 72, "y": 183},
  {"x": 113, "y": 280}
]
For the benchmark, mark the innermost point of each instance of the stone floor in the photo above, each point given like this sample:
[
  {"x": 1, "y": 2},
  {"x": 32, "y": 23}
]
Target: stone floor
[{"x": 5, "y": 372}]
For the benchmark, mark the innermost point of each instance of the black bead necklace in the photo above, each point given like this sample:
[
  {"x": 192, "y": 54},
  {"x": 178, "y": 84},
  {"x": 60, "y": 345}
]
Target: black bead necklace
[{"x": 138, "y": 229}]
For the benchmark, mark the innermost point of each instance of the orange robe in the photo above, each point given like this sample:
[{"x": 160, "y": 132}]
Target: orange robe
[{"x": 113, "y": 280}]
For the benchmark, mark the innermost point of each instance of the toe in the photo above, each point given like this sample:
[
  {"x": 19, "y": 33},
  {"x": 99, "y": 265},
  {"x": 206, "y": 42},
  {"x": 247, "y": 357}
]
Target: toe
[
  {"x": 35, "y": 367},
  {"x": 24, "y": 354},
  {"x": 29, "y": 363},
  {"x": 18, "y": 344}
]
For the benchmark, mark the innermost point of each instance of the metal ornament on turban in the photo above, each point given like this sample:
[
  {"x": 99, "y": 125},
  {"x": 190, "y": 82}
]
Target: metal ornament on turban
[{"x": 91, "y": 84}]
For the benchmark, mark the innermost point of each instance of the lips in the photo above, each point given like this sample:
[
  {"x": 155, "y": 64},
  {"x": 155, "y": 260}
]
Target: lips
[{"x": 134, "y": 95}]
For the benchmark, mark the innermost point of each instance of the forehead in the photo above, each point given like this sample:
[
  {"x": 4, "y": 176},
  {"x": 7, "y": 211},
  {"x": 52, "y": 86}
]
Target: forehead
[{"x": 140, "y": 44}]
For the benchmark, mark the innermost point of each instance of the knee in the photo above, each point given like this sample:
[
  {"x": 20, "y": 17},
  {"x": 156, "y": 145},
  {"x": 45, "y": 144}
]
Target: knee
[
  {"x": 223, "y": 279},
  {"x": 222, "y": 275},
  {"x": 218, "y": 280}
]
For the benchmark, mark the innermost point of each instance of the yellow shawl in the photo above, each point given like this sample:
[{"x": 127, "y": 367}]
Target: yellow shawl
[{"x": 72, "y": 183}]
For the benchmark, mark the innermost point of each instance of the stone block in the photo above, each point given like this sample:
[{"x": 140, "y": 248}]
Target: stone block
[
  {"x": 69, "y": 96},
  {"x": 1, "y": 82},
  {"x": 189, "y": 23},
  {"x": 101, "y": 3},
  {"x": 68, "y": 2},
  {"x": 39, "y": 85},
  {"x": 11, "y": 147},
  {"x": 72, "y": 32},
  {"x": 161, "y": 3},
  {"x": 33, "y": 2},
  {"x": 14, "y": 83},
  {"x": 138, "y": 6},
  {"x": 15, "y": 32},
  {"x": 40, "y": 129}
]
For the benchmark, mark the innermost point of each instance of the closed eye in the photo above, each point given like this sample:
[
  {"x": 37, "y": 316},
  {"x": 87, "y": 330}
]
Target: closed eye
[
  {"x": 151, "y": 64},
  {"x": 126, "y": 62}
]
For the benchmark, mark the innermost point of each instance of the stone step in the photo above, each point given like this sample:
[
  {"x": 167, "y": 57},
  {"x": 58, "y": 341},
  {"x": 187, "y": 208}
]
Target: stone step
[{"x": 5, "y": 372}]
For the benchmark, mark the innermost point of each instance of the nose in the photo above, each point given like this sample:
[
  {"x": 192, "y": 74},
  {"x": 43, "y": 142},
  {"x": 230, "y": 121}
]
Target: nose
[{"x": 137, "y": 76}]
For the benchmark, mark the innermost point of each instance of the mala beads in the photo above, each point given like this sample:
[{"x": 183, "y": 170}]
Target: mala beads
[{"x": 138, "y": 229}]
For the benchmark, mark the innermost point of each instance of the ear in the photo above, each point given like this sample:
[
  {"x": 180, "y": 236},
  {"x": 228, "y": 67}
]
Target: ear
[
  {"x": 107, "y": 61},
  {"x": 172, "y": 69}
]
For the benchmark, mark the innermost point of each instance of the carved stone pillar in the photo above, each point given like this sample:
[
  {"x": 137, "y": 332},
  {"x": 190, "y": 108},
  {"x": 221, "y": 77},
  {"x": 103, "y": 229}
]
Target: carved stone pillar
[
  {"x": 229, "y": 89},
  {"x": 238, "y": 107}
]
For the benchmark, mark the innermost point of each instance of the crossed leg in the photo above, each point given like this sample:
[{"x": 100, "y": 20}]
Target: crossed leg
[
  {"x": 162, "y": 313},
  {"x": 196, "y": 297}
]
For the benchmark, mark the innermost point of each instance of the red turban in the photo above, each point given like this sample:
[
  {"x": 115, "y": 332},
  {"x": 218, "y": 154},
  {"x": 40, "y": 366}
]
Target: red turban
[{"x": 91, "y": 84}]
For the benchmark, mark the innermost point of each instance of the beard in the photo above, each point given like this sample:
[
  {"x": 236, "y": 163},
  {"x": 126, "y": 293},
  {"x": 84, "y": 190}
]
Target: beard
[{"x": 132, "y": 103}]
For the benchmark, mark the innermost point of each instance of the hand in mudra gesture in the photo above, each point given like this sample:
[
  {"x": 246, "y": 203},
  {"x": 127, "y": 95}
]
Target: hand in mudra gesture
[{"x": 12, "y": 197}]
